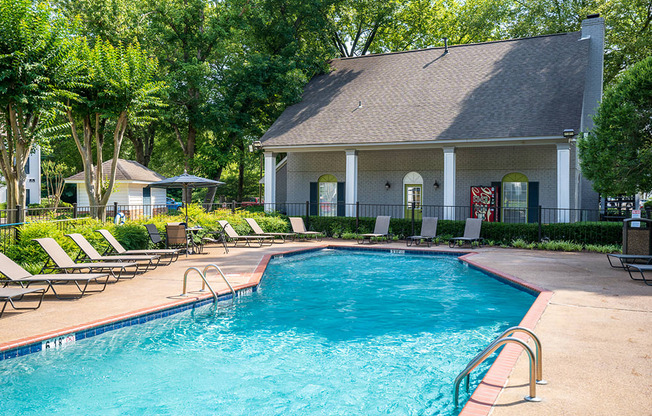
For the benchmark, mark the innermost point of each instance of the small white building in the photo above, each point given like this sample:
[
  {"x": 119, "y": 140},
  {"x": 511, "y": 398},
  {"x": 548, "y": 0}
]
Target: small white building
[
  {"x": 33, "y": 181},
  {"x": 130, "y": 190}
]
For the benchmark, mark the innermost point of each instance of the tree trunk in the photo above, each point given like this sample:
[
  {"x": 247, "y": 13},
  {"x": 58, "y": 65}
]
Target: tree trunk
[
  {"x": 143, "y": 142},
  {"x": 241, "y": 167},
  {"x": 210, "y": 195},
  {"x": 98, "y": 196},
  {"x": 15, "y": 148}
]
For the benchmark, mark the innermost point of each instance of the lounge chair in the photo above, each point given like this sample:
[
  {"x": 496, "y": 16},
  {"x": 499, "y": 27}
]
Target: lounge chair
[
  {"x": 215, "y": 237},
  {"x": 9, "y": 294},
  {"x": 428, "y": 232},
  {"x": 642, "y": 269},
  {"x": 20, "y": 276},
  {"x": 115, "y": 247},
  {"x": 259, "y": 231},
  {"x": 381, "y": 229},
  {"x": 60, "y": 261},
  {"x": 232, "y": 235},
  {"x": 627, "y": 259},
  {"x": 299, "y": 228},
  {"x": 88, "y": 252},
  {"x": 471, "y": 233}
]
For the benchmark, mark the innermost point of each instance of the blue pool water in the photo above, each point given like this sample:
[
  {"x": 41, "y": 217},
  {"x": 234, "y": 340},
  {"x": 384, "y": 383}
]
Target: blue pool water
[{"x": 331, "y": 332}]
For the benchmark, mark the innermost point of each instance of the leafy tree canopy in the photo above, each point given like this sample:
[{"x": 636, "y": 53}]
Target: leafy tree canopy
[{"x": 617, "y": 154}]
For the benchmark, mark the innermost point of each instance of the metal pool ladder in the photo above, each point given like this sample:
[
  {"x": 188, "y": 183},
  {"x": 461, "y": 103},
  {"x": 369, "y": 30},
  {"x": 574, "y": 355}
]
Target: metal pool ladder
[
  {"x": 536, "y": 367},
  {"x": 205, "y": 282}
]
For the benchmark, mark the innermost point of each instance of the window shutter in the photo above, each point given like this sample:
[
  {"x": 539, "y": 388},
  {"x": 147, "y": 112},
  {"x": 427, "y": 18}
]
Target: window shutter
[
  {"x": 499, "y": 187},
  {"x": 341, "y": 193},
  {"x": 314, "y": 196},
  {"x": 533, "y": 202}
]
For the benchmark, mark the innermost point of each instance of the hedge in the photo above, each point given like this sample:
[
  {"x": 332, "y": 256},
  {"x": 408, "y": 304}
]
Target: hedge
[
  {"x": 28, "y": 252},
  {"x": 601, "y": 233}
]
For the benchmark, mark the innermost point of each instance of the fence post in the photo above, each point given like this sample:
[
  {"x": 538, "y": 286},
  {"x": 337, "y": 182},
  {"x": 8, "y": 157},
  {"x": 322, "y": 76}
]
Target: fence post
[
  {"x": 413, "y": 206},
  {"x": 357, "y": 216},
  {"x": 74, "y": 210},
  {"x": 233, "y": 206},
  {"x": 539, "y": 219},
  {"x": 307, "y": 215},
  {"x": 20, "y": 214}
]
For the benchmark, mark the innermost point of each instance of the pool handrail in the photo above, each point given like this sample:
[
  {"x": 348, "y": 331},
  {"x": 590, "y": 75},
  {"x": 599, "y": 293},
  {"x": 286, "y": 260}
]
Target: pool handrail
[
  {"x": 484, "y": 354},
  {"x": 204, "y": 284},
  {"x": 216, "y": 267},
  {"x": 537, "y": 351}
]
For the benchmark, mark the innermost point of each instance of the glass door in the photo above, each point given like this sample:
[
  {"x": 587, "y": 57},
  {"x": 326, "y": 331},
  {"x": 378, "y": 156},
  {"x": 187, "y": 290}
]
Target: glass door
[{"x": 413, "y": 194}]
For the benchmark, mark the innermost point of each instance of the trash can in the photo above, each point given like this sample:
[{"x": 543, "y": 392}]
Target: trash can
[{"x": 637, "y": 236}]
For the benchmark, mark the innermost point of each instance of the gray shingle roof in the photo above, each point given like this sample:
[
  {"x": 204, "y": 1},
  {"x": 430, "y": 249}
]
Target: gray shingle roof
[
  {"x": 127, "y": 170},
  {"x": 529, "y": 87}
]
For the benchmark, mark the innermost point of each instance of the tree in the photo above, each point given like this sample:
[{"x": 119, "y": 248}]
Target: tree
[
  {"x": 121, "y": 90},
  {"x": 617, "y": 154},
  {"x": 34, "y": 74},
  {"x": 55, "y": 173}
]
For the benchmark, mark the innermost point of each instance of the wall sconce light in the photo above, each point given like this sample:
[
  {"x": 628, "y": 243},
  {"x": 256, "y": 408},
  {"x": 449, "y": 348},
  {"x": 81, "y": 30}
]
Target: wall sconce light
[
  {"x": 436, "y": 185},
  {"x": 569, "y": 133},
  {"x": 387, "y": 185},
  {"x": 257, "y": 145}
]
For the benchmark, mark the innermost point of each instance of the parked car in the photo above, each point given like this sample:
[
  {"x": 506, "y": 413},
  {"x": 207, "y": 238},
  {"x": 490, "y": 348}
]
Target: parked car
[
  {"x": 251, "y": 201},
  {"x": 172, "y": 204}
]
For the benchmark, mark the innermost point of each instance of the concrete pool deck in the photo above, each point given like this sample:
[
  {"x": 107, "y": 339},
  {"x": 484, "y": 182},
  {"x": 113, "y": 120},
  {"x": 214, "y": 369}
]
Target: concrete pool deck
[{"x": 596, "y": 331}]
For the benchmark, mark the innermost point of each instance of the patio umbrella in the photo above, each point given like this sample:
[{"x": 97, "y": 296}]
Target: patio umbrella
[{"x": 185, "y": 181}]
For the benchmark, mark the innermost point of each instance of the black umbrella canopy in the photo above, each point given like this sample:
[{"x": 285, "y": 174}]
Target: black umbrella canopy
[{"x": 185, "y": 181}]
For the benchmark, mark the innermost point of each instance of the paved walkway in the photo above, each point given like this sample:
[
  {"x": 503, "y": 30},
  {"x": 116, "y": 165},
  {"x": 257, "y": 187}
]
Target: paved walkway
[{"x": 596, "y": 331}]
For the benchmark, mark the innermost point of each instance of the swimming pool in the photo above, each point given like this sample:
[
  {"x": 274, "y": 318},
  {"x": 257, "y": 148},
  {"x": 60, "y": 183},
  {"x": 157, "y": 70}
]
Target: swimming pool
[{"x": 329, "y": 332}]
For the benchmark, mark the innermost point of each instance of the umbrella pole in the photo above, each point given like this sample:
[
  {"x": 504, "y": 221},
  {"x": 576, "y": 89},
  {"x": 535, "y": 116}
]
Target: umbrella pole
[{"x": 185, "y": 197}]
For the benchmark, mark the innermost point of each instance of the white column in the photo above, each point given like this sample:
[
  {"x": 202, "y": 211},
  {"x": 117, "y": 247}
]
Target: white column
[
  {"x": 449, "y": 183},
  {"x": 351, "y": 195},
  {"x": 563, "y": 181},
  {"x": 270, "y": 182}
]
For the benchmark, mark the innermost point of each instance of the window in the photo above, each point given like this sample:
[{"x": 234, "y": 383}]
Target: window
[
  {"x": 515, "y": 197},
  {"x": 327, "y": 196}
]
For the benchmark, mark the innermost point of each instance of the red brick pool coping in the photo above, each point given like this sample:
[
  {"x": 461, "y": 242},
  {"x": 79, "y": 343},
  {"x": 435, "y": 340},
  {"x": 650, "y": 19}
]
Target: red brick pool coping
[{"x": 479, "y": 404}]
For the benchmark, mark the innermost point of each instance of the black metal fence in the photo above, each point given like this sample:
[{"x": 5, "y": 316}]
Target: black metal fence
[{"x": 541, "y": 221}]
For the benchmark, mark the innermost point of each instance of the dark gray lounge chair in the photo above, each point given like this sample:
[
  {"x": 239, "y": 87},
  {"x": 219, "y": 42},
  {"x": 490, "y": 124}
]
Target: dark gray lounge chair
[
  {"x": 172, "y": 254},
  {"x": 381, "y": 229},
  {"x": 19, "y": 276},
  {"x": 88, "y": 252},
  {"x": 299, "y": 228},
  {"x": 232, "y": 235},
  {"x": 10, "y": 294},
  {"x": 259, "y": 231},
  {"x": 471, "y": 233},
  {"x": 627, "y": 259},
  {"x": 642, "y": 269},
  {"x": 428, "y": 232},
  {"x": 60, "y": 261}
]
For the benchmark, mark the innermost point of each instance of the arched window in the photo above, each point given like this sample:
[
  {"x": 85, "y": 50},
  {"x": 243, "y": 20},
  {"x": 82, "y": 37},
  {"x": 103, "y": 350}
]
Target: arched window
[
  {"x": 327, "y": 195},
  {"x": 412, "y": 194},
  {"x": 515, "y": 197}
]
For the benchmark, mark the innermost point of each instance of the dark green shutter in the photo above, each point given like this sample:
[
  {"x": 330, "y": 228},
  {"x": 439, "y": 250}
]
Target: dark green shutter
[
  {"x": 341, "y": 194},
  {"x": 314, "y": 196},
  {"x": 499, "y": 188},
  {"x": 533, "y": 202}
]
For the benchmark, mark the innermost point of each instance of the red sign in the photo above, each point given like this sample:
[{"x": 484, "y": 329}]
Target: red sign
[{"x": 483, "y": 203}]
